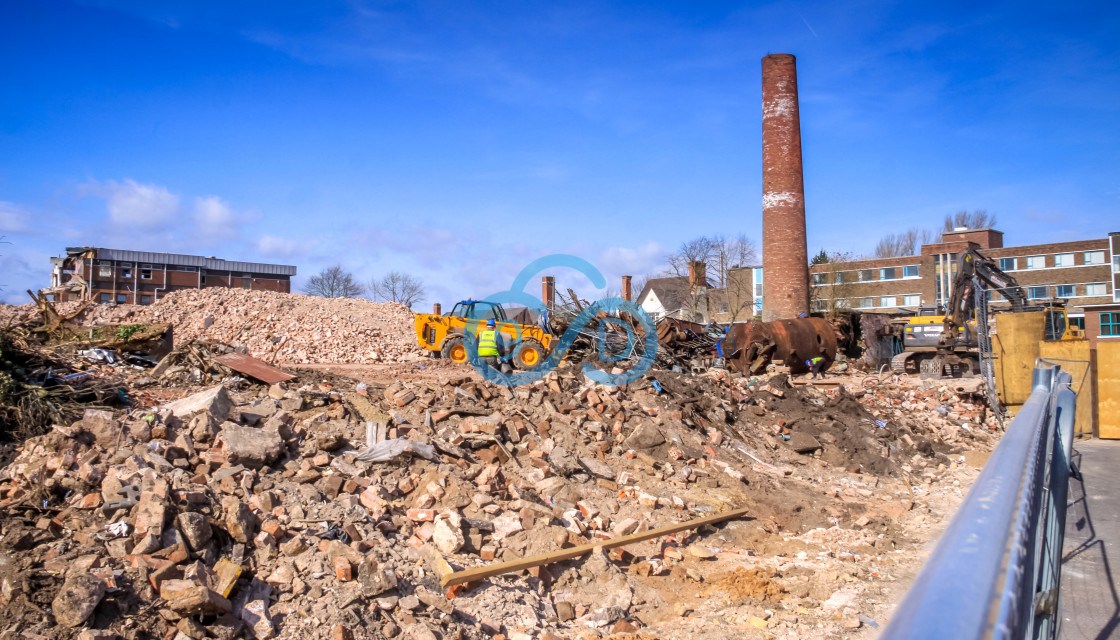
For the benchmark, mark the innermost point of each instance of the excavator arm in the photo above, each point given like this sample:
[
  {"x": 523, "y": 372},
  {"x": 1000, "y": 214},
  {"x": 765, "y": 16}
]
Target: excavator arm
[{"x": 971, "y": 264}]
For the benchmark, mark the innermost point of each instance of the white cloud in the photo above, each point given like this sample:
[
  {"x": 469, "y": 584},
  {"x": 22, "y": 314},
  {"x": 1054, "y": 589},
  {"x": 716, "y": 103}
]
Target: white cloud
[
  {"x": 644, "y": 259},
  {"x": 12, "y": 218},
  {"x": 212, "y": 211},
  {"x": 270, "y": 246},
  {"x": 146, "y": 206}
]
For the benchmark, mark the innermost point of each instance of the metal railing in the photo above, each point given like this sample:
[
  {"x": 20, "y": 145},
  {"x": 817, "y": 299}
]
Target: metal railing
[{"x": 995, "y": 571}]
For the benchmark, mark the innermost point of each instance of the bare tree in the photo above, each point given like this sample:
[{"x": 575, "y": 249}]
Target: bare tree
[
  {"x": 396, "y": 287},
  {"x": 701, "y": 249},
  {"x": 907, "y": 243},
  {"x": 977, "y": 219},
  {"x": 719, "y": 254},
  {"x": 334, "y": 282},
  {"x": 833, "y": 285}
]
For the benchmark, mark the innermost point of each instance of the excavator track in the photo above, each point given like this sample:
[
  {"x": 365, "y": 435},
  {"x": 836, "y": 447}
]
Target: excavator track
[{"x": 898, "y": 363}]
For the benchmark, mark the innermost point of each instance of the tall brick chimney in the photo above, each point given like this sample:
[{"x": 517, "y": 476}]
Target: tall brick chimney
[
  {"x": 436, "y": 309},
  {"x": 548, "y": 292},
  {"x": 697, "y": 275},
  {"x": 785, "y": 256},
  {"x": 627, "y": 294}
]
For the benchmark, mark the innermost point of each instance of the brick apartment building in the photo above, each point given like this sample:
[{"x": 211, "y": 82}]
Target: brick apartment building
[
  {"x": 1086, "y": 273},
  {"x": 1083, "y": 272},
  {"x": 142, "y": 277}
]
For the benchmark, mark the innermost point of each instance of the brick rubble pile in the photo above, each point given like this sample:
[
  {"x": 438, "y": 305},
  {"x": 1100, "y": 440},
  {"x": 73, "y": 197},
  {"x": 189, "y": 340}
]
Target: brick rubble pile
[
  {"x": 277, "y": 327},
  {"x": 245, "y": 511}
]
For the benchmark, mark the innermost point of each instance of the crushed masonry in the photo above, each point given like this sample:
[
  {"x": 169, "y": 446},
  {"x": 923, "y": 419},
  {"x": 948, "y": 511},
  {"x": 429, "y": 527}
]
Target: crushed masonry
[{"x": 221, "y": 506}]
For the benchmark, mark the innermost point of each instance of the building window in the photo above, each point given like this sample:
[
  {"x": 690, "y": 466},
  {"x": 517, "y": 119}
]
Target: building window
[
  {"x": 121, "y": 298},
  {"x": 818, "y": 279},
  {"x": 911, "y": 300},
  {"x": 1116, "y": 263},
  {"x": 1007, "y": 264},
  {"x": 723, "y": 307},
  {"x": 1096, "y": 289},
  {"x": 1036, "y": 262},
  {"x": 1036, "y": 293},
  {"x": 1077, "y": 322},
  {"x": 910, "y": 271},
  {"x": 839, "y": 279},
  {"x": 1065, "y": 291},
  {"x": 105, "y": 272},
  {"x": 886, "y": 273},
  {"x": 1094, "y": 257},
  {"x": 866, "y": 275},
  {"x": 190, "y": 269},
  {"x": 1110, "y": 323},
  {"x": 1063, "y": 260},
  {"x": 866, "y": 303},
  {"x": 819, "y": 306},
  {"x": 126, "y": 272},
  {"x": 145, "y": 299},
  {"x": 145, "y": 274},
  {"x": 246, "y": 283},
  {"x": 887, "y": 301},
  {"x": 758, "y": 290},
  {"x": 104, "y": 298}
]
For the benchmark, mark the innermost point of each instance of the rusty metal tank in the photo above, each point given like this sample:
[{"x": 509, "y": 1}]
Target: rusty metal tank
[{"x": 750, "y": 346}]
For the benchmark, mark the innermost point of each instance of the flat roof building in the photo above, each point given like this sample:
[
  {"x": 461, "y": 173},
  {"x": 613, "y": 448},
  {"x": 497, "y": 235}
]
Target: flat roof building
[{"x": 142, "y": 277}]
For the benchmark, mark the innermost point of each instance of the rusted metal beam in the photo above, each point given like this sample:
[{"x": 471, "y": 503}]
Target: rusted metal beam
[{"x": 489, "y": 571}]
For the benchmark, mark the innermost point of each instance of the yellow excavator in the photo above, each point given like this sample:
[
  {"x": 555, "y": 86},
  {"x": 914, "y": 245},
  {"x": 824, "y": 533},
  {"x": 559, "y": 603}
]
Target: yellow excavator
[
  {"x": 444, "y": 334},
  {"x": 940, "y": 345}
]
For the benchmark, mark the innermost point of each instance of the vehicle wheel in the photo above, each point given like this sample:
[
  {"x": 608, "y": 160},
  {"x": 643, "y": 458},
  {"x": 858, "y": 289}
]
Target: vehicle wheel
[
  {"x": 454, "y": 350},
  {"x": 529, "y": 355}
]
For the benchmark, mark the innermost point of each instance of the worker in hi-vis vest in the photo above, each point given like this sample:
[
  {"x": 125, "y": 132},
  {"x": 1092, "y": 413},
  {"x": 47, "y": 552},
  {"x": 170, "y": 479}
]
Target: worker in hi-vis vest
[
  {"x": 815, "y": 365},
  {"x": 490, "y": 345}
]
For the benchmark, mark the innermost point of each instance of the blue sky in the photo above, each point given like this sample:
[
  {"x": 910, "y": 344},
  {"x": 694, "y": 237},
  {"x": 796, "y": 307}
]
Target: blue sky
[{"x": 460, "y": 140}]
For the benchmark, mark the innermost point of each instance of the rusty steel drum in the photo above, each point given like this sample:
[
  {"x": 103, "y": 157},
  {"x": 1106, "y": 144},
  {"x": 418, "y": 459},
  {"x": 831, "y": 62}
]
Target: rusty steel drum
[{"x": 750, "y": 346}]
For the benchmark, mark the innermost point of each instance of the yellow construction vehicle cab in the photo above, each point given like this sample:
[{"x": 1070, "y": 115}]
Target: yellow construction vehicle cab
[{"x": 444, "y": 335}]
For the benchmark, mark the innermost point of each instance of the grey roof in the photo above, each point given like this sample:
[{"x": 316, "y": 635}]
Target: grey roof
[
  {"x": 179, "y": 259},
  {"x": 672, "y": 292}
]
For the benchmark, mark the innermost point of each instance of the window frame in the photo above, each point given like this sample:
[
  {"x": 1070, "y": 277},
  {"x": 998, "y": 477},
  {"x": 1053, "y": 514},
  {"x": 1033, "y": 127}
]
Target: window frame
[
  {"x": 1072, "y": 291},
  {"x": 883, "y": 273},
  {"x": 1089, "y": 288},
  {"x": 1095, "y": 252},
  {"x": 1032, "y": 290},
  {"x": 912, "y": 300},
  {"x": 883, "y": 301},
  {"x": 104, "y": 297},
  {"x": 1032, "y": 264},
  {"x": 1113, "y": 324},
  {"x": 906, "y": 271},
  {"x": 145, "y": 299},
  {"x": 1060, "y": 259},
  {"x": 122, "y": 298},
  {"x": 1007, "y": 264}
]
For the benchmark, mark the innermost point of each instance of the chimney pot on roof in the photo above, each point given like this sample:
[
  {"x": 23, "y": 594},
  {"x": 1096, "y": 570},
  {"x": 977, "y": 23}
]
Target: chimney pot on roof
[{"x": 697, "y": 275}]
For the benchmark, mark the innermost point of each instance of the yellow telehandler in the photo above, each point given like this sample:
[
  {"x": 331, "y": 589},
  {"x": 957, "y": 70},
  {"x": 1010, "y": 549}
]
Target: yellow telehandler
[{"x": 444, "y": 334}]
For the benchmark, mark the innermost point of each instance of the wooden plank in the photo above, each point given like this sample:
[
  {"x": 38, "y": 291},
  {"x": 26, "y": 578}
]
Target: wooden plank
[
  {"x": 489, "y": 571},
  {"x": 1108, "y": 388},
  {"x": 254, "y": 368}
]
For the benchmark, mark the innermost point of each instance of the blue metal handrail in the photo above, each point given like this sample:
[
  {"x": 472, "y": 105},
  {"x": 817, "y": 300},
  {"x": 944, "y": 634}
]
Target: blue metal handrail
[{"x": 995, "y": 571}]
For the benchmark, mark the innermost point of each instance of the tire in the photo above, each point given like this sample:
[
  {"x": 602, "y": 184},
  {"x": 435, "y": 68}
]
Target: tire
[
  {"x": 528, "y": 355},
  {"x": 454, "y": 350}
]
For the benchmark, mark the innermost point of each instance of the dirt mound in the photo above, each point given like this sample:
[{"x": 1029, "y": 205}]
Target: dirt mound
[{"x": 749, "y": 583}]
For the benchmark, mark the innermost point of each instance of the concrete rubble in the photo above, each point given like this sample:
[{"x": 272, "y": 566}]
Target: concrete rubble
[
  {"x": 276, "y": 327},
  {"x": 244, "y": 509}
]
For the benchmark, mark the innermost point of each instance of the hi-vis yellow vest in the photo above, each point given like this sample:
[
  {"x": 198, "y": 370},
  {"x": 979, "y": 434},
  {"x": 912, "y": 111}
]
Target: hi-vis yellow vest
[{"x": 487, "y": 344}]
